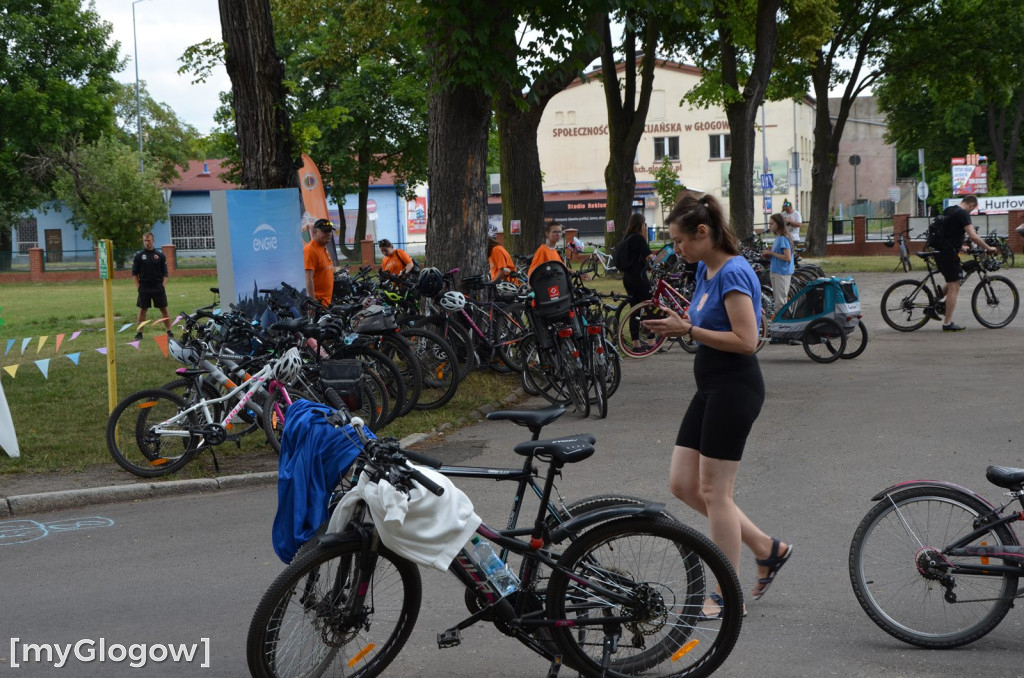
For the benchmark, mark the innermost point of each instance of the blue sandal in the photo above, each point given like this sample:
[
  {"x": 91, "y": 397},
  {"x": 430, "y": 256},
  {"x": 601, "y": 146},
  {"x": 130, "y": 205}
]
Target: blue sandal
[
  {"x": 774, "y": 563},
  {"x": 717, "y": 599}
]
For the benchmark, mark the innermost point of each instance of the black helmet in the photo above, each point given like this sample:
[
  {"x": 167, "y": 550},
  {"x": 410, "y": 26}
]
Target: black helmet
[{"x": 431, "y": 282}]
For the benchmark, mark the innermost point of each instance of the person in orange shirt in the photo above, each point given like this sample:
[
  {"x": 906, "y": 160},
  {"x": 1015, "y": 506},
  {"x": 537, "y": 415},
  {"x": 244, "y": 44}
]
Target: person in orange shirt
[
  {"x": 317, "y": 262},
  {"x": 396, "y": 261},
  {"x": 502, "y": 266},
  {"x": 547, "y": 251}
]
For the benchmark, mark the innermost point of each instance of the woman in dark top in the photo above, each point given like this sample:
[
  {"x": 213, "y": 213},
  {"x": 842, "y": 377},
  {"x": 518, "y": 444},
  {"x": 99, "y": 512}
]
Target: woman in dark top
[
  {"x": 723, "y": 319},
  {"x": 634, "y": 279}
]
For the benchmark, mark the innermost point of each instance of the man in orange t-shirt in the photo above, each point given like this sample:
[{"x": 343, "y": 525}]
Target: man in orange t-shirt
[
  {"x": 317, "y": 262},
  {"x": 502, "y": 266},
  {"x": 396, "y": 261},
  {"x": 547, "y": 251}
]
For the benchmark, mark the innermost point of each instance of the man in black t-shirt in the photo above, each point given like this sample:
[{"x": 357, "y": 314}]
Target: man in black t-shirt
[
  {"x": 149, "y": 271},
  {"x": 957, "y": 224}
]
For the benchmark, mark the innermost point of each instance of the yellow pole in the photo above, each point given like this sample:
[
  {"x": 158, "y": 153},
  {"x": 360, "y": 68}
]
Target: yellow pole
[{"x": 106, "y": 275}]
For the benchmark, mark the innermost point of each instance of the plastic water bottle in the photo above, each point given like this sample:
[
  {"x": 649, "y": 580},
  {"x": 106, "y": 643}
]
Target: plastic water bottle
[{"x": 503, "y": 579}]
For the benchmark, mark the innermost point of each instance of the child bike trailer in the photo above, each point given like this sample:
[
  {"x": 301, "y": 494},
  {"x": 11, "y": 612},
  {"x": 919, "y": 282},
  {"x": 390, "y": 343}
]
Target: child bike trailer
[{"x": 824, "y": 316}]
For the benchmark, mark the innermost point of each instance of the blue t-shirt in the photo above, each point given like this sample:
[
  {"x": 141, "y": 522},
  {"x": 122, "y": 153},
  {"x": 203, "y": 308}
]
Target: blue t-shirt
[
  {"x": 707, "y": 308},
  {"x": 778, "y": 265}
]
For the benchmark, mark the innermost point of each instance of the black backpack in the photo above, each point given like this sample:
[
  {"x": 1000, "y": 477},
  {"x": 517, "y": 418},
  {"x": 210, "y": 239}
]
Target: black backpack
[
  {"x": 937, "y": 237},
  {"x": 623, "y": 256}
]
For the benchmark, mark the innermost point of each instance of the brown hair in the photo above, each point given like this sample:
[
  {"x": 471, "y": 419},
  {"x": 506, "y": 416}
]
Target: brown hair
[
  {"x": 970, "y": 199},
  {"x": 636, "y": 223},
  {"x": 551, "y": 224},
  {"x": 691, "y": 212},
  {"x": 779, "y": 221},
  {"x": 491, "y": 244},
  {"x": 384, "y": 242}
]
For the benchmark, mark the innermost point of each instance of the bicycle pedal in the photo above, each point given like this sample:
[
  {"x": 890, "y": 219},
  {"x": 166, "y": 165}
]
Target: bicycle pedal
[
  {"x": 556, "y": 664},
  {"x": 449, "y": 638}
]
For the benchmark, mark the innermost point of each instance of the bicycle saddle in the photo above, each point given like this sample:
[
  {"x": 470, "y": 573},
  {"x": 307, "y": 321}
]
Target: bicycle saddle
[
  {"x": 561, "y": 450},
  {"x": 534, "y": 420},
  {"x": 925, "y": 255},
  {"x": 1005, "y": 476}
]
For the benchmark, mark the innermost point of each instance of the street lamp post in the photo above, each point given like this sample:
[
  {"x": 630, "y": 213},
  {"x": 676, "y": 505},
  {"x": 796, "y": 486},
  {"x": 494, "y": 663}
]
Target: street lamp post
[{"x": 138, "y": 100}]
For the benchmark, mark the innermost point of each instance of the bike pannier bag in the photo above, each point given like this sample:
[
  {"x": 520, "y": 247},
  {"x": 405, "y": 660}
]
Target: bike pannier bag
[{"x": 345, "y": 377}]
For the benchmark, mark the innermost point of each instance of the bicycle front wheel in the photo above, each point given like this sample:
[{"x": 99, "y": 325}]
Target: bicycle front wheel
[
  {"x": 314, "y": 622},
  {"x": 906, "y": 305},
  {"x": 643, "y": 343},
  {"x": 995, "y": 301},
  {"x": 140, "y": 440},
  {"x": 663, "y": 571},
  {"x": 897, "y": 568}
]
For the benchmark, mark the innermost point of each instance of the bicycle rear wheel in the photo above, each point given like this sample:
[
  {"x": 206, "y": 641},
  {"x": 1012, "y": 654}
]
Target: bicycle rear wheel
[
  {"x": 306, "y": 623},
  {"x": 906, "y": 305},
  {"x": 140, "y": 443},
  {"x": 897, "y": 568},
  {"x": 665, "y": 570},
  {"x": 646, "y": 343},
  {"x": 439, "y": 365}
]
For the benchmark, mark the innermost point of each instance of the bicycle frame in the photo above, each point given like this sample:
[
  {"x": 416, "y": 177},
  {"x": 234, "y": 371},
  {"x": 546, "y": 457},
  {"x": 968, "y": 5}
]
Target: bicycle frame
[{"x": 666, "y": 295}]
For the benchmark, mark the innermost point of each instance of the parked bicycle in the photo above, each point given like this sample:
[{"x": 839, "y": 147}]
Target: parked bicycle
[
  {"x": 901, "y": 238},
  {"x": 936, "y": 565},
  {"x": 347, "y": 604},
  {"x": 598, "y": 261},
  {"x": 637, "y": 342},
  {"x": 1001, "y": 243},
  {"x": 908, "y": 304}
]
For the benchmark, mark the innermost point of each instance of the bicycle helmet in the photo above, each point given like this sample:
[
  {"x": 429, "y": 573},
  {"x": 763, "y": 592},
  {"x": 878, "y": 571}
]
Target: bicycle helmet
[
  {"x": 431, "y": 282},
  {"x": 453, "y": 301},
  {"x": 288, "y": 366},
  {"x": 506, "y": 289},
  {"x": 185, "y": 354}
]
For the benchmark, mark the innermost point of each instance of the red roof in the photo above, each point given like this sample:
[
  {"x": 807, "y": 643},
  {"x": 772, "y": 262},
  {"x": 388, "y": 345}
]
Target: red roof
[{"x": 202, "y": 175}]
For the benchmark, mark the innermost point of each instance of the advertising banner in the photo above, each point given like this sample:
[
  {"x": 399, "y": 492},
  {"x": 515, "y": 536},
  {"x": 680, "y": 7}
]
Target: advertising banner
[
  {"x": 259, "y": 242},
  {"x": 416, "y": 215},
  {"x": 969, "y": 179}
]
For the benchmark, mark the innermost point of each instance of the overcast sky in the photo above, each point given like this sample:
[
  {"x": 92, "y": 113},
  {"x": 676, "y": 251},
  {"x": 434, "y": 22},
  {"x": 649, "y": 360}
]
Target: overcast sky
[{"x": 165, "y": 28}]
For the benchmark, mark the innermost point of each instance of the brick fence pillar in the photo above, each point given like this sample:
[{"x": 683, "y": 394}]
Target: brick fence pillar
[
  {"x": 170, "y": 251},
  {"x": 860, "y": 234},
  {"x": 366, "y": 252},
  {"x": 35, "y": 264}
]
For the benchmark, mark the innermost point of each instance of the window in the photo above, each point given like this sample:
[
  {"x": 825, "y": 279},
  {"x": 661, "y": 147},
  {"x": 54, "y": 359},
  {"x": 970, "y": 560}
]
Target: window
[
  {"x": 721, "y": 146},
  {"x": 666, "y": 147},
  {"x": 28, "y": 235},
  {"x": 192, "y": 231}
]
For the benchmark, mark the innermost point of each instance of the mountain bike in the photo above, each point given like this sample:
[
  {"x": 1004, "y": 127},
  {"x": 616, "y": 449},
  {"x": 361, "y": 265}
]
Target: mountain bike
[
  {"x": 1001, "y": 243},
  {"x": 905, "y": 263},
  {"x": 596, "y": 261},
  {"x": 908, "y": 304},
  {"x": 155, "y": 432},
  {"x": 624, "y": 598},
  {"x": 936, "y": 565}
]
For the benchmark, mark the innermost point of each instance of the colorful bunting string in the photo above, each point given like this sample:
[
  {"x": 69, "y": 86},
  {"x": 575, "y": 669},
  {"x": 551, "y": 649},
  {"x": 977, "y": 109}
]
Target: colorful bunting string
[{"x": 44, "y": 367}]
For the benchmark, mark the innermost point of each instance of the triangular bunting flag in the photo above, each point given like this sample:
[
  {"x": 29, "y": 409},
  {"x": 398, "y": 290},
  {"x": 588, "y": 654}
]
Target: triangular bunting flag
[
  {"x": 143, "y": 324},
  {"x": 42, "y": 340},
  {"x": 124, "y": 327},
  {"x": 73, "y": 357},
  {"x": 102, "y": 349},
  {"x": 177, "y": 320},
  {"x": 162, "y": 341},
  {"x": 11, "y": 369},
  {"x": 60, "y": 340},
  {"x": 24, "y": 344},
  {"x": 133, "y": 344},
  {"x": 10, "y": 342},
  {"x": 75, "y": 335},
  {"x": 44, "y": 367},
  {"x": 8, "y": 436}
]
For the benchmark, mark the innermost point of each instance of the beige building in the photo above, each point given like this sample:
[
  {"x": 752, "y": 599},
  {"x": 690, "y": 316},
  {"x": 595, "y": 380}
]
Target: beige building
[{"x": 573, "y": 145}]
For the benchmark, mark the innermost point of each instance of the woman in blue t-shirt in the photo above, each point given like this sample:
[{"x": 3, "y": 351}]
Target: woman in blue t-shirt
[
  {"x": 781, "y": 254},
  {"x": 723, "y": 319}
]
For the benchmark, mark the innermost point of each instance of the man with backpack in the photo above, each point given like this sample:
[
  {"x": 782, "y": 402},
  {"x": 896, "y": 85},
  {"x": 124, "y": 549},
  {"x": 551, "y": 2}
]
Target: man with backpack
[{"x": 946, "y": 237}]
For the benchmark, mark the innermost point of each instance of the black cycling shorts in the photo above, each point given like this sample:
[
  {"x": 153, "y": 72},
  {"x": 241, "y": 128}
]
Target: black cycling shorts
[
  {"x": 730, "y": 392},
  {"x": 155, "y": 296},
  {"x": 949, "y": 265}
]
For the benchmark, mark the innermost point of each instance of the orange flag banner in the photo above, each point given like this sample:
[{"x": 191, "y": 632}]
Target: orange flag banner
[
  {"x": 314, "y": 200},
  {"x": 60, "y": 340},
  {"x": 161, "y": 341}
]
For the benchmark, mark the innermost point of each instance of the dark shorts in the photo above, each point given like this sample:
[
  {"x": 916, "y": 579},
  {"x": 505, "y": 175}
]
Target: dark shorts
[
  {"x": 730, "y": 392},
  {"x": 949, "y": 265},
  {"x": 152, "y": 296}
]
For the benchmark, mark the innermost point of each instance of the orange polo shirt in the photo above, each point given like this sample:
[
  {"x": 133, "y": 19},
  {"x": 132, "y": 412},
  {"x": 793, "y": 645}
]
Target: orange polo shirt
[
  {"x": 542, "y": 255},
  {"x": 499, "y": 259},
  {"x": 396, "y": 262},
  {"x": 316, "y": 259}
]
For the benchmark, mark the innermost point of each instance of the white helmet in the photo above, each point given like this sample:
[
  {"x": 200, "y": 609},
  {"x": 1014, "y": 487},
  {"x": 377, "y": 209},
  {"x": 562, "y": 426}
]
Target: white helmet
[
  {"x": 453, "y": 301},
  {"x": 186, "y": 355},
  {"x": 506, "y": 289},
  {"x": 288, "y": 366}
]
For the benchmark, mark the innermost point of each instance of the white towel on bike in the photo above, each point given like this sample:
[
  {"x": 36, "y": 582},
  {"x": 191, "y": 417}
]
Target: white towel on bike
[{"x": 421, "y": 526}]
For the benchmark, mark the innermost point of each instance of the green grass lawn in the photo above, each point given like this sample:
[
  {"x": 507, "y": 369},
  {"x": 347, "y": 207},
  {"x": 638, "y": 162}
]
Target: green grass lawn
[{"x": 60, "y": 419}]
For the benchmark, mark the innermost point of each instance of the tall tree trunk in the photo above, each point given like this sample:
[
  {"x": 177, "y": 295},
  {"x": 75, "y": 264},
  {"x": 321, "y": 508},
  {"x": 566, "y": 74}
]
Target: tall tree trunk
[
  {"x": 627, "y": 115},
  {"x": 824, "y": 154},
  {"x": 460, "y": 118},
  {"x": 257, "y": 87},
  {"x": 522, "y": 190},
  {"x": 1005, "y": 142},
  {"x": 742, "y": 124}
]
